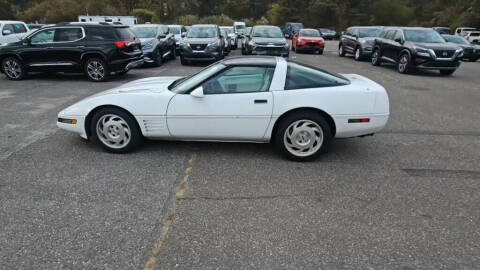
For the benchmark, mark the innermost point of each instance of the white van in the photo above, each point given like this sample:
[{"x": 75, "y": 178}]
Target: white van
[
  {"x": 12, "y": 31},
  {"x": 239, "y": 28}
]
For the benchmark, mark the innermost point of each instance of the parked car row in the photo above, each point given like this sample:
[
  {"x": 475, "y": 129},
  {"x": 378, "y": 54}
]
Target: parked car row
[{"x": 409, "y": 48}]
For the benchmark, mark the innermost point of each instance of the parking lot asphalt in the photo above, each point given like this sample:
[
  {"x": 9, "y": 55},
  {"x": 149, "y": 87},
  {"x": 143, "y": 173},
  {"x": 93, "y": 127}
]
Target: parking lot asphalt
[{"x": 406, "y": 198}]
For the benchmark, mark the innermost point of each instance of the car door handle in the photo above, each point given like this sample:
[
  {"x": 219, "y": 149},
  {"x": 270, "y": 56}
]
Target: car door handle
[{"x": 260, "y": 101}]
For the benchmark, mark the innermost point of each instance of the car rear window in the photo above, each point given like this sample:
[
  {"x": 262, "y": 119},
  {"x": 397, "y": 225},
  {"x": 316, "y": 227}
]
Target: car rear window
[
  {"x": 475, "y": 34},
  {"x": 125, "y": 33},
  {"x": 100, "y": 33},
  {"x": 302, "y": 77}
]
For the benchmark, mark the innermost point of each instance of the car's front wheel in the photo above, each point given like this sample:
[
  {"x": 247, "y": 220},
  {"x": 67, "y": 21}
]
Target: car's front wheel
[
  {"x": 404, "y": 65},
  {"x": 376, "y": 58},
  {"x": 96, "y": 70},
  {"x": 341, "y": 51},
  {"x": 303, "y": 136},
  {"x": 13, "y": 69},
  {"x": 115, "y": 130},
  {"x": 358, "y": 54}
]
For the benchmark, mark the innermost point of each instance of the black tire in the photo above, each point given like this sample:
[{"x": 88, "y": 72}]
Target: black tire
[
  {"x": 341, "y": 51},
  {"x": 158, "y": 61},
  {"x": 97, "y": 64},
  {"x": 173, "y": 53},
  {"x": 358, "y": 54},
  {"x": 320, "y": 52},
  {"x": 446, "y": 72},
  {"x": 14, "y": 69},
  {"x": 182, "y": 60},
  {"x": 376, "y": 57},
  {"x": 280, "y": 136},
  {"x": 404, "y": 65},
  {"x": 135, "y": 139}
]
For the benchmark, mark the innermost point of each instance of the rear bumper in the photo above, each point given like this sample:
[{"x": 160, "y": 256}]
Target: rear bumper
[{"x": 348, "y": 130}]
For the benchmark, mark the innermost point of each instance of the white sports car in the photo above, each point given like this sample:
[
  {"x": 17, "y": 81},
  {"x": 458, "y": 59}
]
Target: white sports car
[{"x": 252, "y": 99}]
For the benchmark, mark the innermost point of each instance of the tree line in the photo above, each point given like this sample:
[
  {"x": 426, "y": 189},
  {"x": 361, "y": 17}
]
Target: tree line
[{"x": 337, "y": 14}]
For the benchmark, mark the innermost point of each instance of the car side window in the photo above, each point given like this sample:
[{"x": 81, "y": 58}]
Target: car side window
[
  {"x": 100, "y": 33},
  {"x": 19, "y": 28},
  {"x": 8, "y": 27},
  {"x": 390, "y": 34},
  {"x": 67, "y": 34},
  {"x": 241, "y": 79},
  {"x": 302, "y": 77},
  {"x": 45, "y": 36},
  {"x": 398, "y": 35}
]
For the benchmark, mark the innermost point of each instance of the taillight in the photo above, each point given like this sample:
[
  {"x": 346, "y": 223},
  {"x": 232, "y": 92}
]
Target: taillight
[{"x": 123, "y": 44}]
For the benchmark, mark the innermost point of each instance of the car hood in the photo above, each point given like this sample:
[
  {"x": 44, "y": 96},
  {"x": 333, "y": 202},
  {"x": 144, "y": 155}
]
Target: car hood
[
  {"x": 153, "y": 84},
  {"x": 437, "y": 46},
  {"x": 200, "y": 40},
  {"x": 261, "y": 40}
]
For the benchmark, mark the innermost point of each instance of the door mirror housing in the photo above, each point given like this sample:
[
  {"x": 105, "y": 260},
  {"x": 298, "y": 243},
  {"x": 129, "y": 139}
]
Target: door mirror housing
[
  {"x": 399, "y": 40},
  {"x": 6, "y": 32},
  {"x": 198, "y": 92}
]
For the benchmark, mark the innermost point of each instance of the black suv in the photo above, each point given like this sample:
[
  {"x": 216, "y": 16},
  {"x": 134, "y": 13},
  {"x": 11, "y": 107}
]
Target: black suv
[
  {"x": 158, "y": 44},
  {"x": 266, "y": 40},
  {"x": 359, "y": 41},
  {"x": 202, "y": 42},
  {"x": 95, "y": 49},
  {"x": 413, "y": 48}
]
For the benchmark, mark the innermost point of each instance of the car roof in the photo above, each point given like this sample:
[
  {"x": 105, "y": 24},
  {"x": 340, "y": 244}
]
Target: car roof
[
  {"x": 88, "y": 24},
  {"x": 204, "y": 25},
  {"x": 308, "y": 29},
  {"x": 251, "y": 60},
  {"x": 175, "y": 25},
  {"x": 11, "y": 21},
  {"x": 266, "y": 26},
  {"x": 148, "y": 25}
]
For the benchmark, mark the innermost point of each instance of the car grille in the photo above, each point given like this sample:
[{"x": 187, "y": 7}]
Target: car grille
[
  {"x": 270, "y": 44},
  {"x": 198, "y": 47},
  {"x": 312, "y": 44},
  {"x": 440, "y": 64},
  {"x": 444, "y": 53},
  {"x": 468, "y": 50}
]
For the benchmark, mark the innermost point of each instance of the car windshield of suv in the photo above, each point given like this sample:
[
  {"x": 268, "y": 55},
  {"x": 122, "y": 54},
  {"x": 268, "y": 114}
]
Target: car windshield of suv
[
  {"x": 239, "y": 26},
  {"x": 145, "y": 32},
  {"x": 185, "y": 84},
  {"x": 202, "y": 32},
  {"x": 175, "y": 30},
  {"x": 228, "y": 30},
  {"x": 369, "y": 32},
  {"x": 309, "y": 33},
  {"x": 267, "y": 32},
  {"x": 423, "y": 36},
  {"x": 457, "y": 39}
]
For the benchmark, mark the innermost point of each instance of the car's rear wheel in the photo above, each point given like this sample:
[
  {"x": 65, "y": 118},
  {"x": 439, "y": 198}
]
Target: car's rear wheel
[
  {"x": 447, "y": 72},
  {"x": 404, "y": 65},
  {"x": 173, "y": 54},
  {"x": 182, "y": 60},
  {"x": 96, "y": 70},
  {"x": 13, "y": 69},
  {"x": 303, "y": 136},
  {"x": 115, "y": 130},
  {"x": 376, "y": 57},
  {"x": 341, "y": 51}
]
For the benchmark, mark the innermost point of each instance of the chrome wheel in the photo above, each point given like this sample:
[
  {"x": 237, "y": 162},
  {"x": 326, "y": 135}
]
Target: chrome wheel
[
  {"x": 375, "y": 57},
  {"x": 357, "y": 54},
  {"x": 96, "y": 70},
  {"x": 402, "y": 66},
  {"x": 113, "y": 131},
  {"x": 12, "y": 69},
  {"x": 303, "y": 138},
  {"x": 340, "y": 51}
]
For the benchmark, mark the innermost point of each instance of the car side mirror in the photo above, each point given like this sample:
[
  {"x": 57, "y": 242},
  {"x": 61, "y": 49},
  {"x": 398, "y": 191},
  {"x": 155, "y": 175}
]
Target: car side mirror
[
  {"x": 399, "y": 40},
  {"x": 7, "y": 32},
  {"x": 198, "y": 92},
  {"x": 184, "y": 34}
]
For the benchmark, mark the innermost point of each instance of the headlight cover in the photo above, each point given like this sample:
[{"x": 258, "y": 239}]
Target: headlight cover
[
  {"x": 459, "y": 52},
  {"x": 422, "y": 51}
]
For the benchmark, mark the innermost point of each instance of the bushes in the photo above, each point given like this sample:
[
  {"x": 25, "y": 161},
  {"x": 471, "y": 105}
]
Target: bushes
[
  {"x": 192, "y": 19},
  {"x": 145, "y": 15}
]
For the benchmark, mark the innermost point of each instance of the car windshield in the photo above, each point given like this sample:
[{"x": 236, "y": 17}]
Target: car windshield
[
  {"x": 185, "y": 84},
  {"x": 175, "y": 30},
  {"x": 369, "y": 32},
  {"x": 228, "y": 30},
  {"x": 309, "y": 33},
  {"x": 423, "y": 36},
  {"x": 457, "y": 39},
  {"x": 326, "y": 30},
  {"x": 145, "y": 32},
  {"x": 296, "y": 26},
  {"x": 267, "y": 32},
  {"x": 240, "y": 26},
  {"x": 202, "y": 32}
]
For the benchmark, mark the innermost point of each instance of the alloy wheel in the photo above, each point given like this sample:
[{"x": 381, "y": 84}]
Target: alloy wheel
[
  {"x": 12, "y": 69},
  {"x": 303, "y": 138},
  {"x": 113, "y": 131},
  {"x": 96, "y": 70},
  {"x": 402, "y": 66}
]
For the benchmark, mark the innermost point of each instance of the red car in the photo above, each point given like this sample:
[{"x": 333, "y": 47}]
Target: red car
[{"x": 308, "y": 40}]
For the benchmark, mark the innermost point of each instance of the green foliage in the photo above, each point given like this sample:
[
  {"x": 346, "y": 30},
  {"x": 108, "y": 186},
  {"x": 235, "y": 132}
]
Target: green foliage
[
  {"x": 220, "y": 20},
  {"x": 188, "y": 20},
  {"x": 391, "y": 12},
  {"x": 145, "y": 15}
]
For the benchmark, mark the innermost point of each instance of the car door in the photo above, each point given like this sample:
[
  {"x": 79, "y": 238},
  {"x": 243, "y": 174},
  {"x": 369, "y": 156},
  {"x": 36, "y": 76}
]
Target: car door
[
  {"x": 397, "y": 45},
  {"x": 34, "y": 53},
  {"x": 236, "y": 105},
  {"x": 388, "y": 46},
  {"x": 66, "y": 50}
]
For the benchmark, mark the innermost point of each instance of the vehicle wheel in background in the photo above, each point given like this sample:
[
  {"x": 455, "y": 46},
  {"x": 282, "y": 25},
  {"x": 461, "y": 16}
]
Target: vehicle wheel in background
[
  {"x": 115, "y": 130},
  {"x": 96, "y": 70},
  {"x": 302, "y": 136},
  {"x": 173, "y": 54},
  {"x": 404, "y": 65},
  {"x": 358, "y": 54},
  {"x": 341, "y": 51},
  {"x": 320, "y": 52},
  {"x": 13, "y": 69},
  {"x": 158, "y": 61},
  {"x": 182, "y": 60},
  {"x": 376, "y": 57},
  {"x": 447, "y": 72}
]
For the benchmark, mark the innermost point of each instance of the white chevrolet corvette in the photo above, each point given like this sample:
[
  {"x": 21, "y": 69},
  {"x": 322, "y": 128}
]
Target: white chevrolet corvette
[{"x": 252, "y": 99}]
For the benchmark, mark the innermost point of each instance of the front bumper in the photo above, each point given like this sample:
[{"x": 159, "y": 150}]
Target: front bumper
[
  {"x": 205, "y": 55},
  {"x": 311, "y": 47},
  {"x": 431, "y": 64},
  {"x": 78, "y": 127},
  {"x": 270, "y": 50}
]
